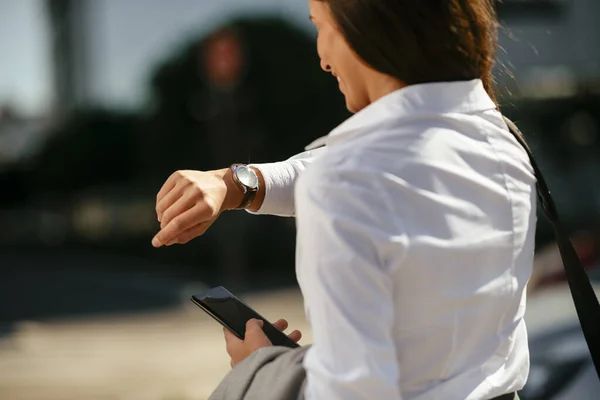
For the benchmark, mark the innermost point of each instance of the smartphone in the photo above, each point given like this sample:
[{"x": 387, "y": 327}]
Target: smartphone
[{"x": 233, "y": 314}]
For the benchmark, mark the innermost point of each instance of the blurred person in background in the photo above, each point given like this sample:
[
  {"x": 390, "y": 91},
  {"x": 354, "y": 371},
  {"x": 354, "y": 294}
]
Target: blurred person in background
[
  {"x": 228, "y": 96},
  {"x": 253, "y": 75},
  {"x": 228, "y": 111},
  {"x": 415, "y": 221}
]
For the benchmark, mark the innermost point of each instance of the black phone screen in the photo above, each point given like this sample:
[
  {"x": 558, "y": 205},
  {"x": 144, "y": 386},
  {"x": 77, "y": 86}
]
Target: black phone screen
[{"x": 232, "y": 313}]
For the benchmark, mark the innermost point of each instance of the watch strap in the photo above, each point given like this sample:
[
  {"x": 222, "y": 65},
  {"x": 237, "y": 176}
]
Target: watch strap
[
  {"x": 249, "y": 197},
  {"x": 249, "y": 193}
]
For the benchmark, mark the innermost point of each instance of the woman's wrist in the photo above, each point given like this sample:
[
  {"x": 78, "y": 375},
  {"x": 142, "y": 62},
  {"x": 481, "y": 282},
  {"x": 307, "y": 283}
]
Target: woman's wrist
[{"x": 233, "y": 193}]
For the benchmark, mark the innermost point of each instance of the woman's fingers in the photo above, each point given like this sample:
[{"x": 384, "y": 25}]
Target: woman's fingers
[
  {"x": 167, "y": 200},
  {"x": 178, "y": 207},
  {"x": 192, "y": 233},
  {"x": 281, "y": 324},
  {"x": 168, "y": 185},
  {"x": 180, "y": 224},
  {"x": 187, "y": 204},
  {"x": 295, "y": 335},
  {"x": 168, "y": 193}
]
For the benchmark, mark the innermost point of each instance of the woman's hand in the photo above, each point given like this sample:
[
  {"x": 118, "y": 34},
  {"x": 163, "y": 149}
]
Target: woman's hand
[
  {"x": 254, "y": 339},
  {"x": 190, "y": 201}
]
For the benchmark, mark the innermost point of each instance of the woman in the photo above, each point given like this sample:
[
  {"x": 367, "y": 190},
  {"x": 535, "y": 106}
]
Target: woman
[{"x": 415, "y": 223}]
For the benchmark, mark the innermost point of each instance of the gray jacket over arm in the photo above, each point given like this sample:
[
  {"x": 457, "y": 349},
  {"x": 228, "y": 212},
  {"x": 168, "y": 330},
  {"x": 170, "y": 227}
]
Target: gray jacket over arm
[{"x": 270, "y": 373}]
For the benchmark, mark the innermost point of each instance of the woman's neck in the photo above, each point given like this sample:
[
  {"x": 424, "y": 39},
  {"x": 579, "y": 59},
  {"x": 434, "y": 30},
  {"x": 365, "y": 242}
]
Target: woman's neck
[{"x": 381, "y": 85}]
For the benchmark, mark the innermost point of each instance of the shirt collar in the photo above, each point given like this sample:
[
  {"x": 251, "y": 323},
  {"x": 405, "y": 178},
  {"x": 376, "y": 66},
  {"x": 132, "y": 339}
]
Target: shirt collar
[{"x": 465, "y": 97}]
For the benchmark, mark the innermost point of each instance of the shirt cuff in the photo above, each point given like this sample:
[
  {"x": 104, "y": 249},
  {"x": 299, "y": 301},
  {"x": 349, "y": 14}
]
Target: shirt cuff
[{"x": 279, "y": 188}]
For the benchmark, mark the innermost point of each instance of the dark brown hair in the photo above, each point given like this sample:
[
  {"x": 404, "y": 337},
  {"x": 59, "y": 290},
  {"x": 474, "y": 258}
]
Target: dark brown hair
[{"x": 421, "y": 41}]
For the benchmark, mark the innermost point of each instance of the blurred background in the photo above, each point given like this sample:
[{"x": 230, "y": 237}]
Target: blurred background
[{"x": 100, "y": 101}]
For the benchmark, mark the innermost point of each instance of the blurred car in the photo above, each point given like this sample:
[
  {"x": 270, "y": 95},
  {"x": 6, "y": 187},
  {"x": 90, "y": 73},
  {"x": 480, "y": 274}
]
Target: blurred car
[
  {"x": 561, "y": 366},
  {"x": 548, "y": 267}
]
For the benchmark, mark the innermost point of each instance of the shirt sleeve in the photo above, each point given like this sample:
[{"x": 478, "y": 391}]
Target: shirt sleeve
[
  {"x": 342, "y": 263},
  {"x": 280, "y": 178}
]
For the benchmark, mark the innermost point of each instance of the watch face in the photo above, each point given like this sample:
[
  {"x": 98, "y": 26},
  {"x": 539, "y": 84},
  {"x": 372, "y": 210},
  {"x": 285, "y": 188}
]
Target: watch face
[{"x": 247, "y": 177}]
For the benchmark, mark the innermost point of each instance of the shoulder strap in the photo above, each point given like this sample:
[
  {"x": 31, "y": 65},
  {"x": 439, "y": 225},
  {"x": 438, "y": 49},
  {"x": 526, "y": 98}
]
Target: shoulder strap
[{"x": 586, "y": 303}]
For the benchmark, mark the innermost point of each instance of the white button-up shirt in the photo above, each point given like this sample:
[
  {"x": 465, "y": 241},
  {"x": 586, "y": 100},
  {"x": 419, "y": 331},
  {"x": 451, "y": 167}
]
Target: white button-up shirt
[{"x": 415, "y": 242}]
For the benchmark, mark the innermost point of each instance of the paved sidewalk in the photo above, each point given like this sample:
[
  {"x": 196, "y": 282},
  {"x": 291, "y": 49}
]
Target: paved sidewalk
[{"x": 177, "y": 354}]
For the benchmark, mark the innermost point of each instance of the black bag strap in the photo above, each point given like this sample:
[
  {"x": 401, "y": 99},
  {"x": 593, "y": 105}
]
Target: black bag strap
[{"x": 586, "y": 303}]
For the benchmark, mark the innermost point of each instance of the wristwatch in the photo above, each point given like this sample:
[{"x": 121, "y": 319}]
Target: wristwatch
[{"x": 247, "y": 180}]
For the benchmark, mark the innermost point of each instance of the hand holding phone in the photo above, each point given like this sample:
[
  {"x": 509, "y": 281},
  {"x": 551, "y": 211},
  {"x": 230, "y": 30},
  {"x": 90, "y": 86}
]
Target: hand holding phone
[{"x": 233, "y": 314}]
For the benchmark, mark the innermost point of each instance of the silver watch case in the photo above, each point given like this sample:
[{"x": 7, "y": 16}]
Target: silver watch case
[{"x": 245, "y": 177}]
